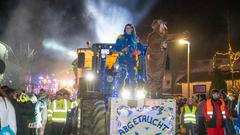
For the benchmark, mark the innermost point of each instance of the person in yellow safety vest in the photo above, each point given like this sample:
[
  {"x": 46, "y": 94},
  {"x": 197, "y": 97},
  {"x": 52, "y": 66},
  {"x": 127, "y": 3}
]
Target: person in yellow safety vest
[
  {"x": 57, "y": 111},
  {"x": 75, "y": 103},
  {"x": 72, "y": 124},
  {"x": 66, "y": 96},
  {"x": 182, "y": 128},
  {"x": 188, "y": 117}
]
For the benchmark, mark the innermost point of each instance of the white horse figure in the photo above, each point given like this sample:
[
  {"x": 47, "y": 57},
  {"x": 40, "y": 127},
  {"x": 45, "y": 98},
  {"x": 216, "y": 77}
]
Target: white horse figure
[
  {"x": 3, "y": 51},
  {"x": 3, "y": 56}
]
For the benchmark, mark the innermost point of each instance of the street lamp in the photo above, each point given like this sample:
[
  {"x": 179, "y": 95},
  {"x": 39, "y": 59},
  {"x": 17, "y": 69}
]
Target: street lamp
[{"x": 185, "y": 42}]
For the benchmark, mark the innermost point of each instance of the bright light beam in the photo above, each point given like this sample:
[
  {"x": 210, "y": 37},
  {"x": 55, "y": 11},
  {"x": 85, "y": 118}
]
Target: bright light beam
[
  {"x": 140, "y": 94},
  {"x": 59, "y": 48},
  {"x": 125, "y": 94},
  {"x": 90, "y": 76},
  {"x": 110, "y": 17}
]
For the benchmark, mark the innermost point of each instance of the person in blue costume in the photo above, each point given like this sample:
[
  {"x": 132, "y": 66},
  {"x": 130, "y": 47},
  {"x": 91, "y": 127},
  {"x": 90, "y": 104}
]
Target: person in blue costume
[
  {"x": 130, "y": 50},
  {"x": 237, "y": 121}
]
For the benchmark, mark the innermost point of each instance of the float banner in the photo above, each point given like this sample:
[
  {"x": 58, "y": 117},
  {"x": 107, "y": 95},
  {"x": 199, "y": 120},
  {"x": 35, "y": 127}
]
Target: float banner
[{"x": 158, "y": 119}]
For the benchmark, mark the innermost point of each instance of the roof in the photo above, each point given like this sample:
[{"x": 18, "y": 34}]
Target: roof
[{"x": 206, "y": 77}]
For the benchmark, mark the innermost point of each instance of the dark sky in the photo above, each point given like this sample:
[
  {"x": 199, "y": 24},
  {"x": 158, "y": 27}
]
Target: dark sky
[
  {"x": 27, "y": 21},
  {"x": 206, "y": 20}
]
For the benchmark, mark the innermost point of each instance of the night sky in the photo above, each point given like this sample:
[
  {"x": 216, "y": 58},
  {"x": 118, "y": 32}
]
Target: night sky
[
  {"x": 31, "y": 21},
  {"x": 206, "y": 20}
]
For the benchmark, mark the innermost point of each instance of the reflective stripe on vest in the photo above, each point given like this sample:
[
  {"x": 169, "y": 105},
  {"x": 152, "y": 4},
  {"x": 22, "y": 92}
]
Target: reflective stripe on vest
[
  {"x": 189, "y": 116},
  {"x": 59, "y": 120},
  {"x": 210, "y": 108},
  {"x": 50, "y": 111}
]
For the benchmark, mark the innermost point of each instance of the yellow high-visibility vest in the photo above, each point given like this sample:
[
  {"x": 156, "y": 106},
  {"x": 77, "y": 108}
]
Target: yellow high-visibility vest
[
  {"x": 75, "y": 103},
  {"x": 189, "y": 116},
  {"x": 57, "y": 111}
]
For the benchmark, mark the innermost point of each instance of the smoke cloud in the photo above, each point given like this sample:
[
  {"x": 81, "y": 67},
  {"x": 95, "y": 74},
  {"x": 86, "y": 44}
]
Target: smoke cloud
[
  {"x": 56, "y": 28},
  {"x": 111, "y": 17}
]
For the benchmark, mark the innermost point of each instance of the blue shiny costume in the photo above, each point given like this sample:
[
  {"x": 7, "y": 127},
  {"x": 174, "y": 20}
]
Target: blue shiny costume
[
  {"x": 128, "y": 72},
  {"x": 237, "y": 123}
]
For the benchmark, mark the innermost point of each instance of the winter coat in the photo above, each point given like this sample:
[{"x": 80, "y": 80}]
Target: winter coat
[
  {"x": 215, "y": 117},
  {"x": 199, "y": 109},
  {"x": 35, "y": 118},
  {"x": 7, "y": 114},
  {"x": 23, "y": 111}
]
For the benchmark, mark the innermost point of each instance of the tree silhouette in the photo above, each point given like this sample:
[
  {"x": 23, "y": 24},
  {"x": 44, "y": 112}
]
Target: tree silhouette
[{"x": 218, "y": 81}]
